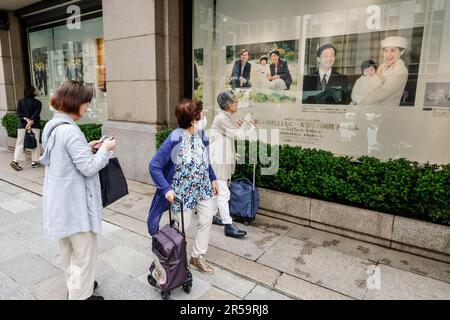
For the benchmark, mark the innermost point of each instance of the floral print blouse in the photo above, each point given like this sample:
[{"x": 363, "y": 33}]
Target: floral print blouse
[{"x": 191, "y": 179}]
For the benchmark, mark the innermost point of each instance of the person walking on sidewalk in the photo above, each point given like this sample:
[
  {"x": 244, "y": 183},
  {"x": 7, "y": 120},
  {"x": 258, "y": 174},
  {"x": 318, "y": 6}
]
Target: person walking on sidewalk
[
  {"x": 28, "y": 110},
  {"x": 181, "y": 168},
  {"x": 72, "y": 202},
  {"x": 223, "y": 156}
]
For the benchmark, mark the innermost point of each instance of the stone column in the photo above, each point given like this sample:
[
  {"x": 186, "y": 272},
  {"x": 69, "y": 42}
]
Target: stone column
[
  {"x": 143, "y": 65},
  {"x": 12, "y": 77}
]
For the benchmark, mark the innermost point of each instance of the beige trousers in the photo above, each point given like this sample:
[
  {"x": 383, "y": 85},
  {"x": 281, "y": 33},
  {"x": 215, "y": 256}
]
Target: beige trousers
[
  {"x": 19, "y": 152},
  {"x": 79, "y": 255}
]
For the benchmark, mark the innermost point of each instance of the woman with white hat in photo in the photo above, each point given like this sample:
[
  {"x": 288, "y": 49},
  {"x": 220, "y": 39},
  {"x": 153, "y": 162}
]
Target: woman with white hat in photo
[{"x": 393, "y": 73}]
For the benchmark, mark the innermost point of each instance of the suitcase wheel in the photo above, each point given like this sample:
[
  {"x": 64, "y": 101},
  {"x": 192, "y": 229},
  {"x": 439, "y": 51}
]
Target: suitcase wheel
[
  {"x": 151, "y": 280},
  {"x": 187, "y": 287},
  {"x": 246, "y": 223},
  {"x": 165, "y": 295}
]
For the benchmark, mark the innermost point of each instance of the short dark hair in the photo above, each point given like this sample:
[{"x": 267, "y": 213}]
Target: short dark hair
[
  {"x": 325, "y": 47},
  {"x": 274, "y": 51},
  {"x": 29, "y": 92},
  {"x": 242, "y": 52},
  {"x": 264, "y": 58},
  {"x": 368, "y": 63},
  {"x": 187, "y": 111},
  {"x": 70, "y": 96}
]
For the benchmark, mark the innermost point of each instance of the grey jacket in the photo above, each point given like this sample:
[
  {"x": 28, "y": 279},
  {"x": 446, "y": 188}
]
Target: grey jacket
[{"x": 72, "y": 200}]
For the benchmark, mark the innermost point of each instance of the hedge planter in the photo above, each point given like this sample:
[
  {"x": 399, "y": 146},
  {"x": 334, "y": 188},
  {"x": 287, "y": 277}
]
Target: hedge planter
[{"x": 419, "y": 237}]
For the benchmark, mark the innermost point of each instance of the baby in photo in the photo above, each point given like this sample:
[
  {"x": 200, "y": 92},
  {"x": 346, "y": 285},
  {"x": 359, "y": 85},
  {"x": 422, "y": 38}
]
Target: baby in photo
[{"x": 367, "y": 83}]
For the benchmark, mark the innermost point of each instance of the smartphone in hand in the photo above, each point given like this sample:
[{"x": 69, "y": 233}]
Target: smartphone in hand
[{"x": 102, "y": 139}]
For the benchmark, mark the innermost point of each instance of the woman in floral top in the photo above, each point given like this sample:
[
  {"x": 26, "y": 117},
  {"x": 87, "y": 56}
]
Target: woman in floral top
[{"x": 181, "y": 168}]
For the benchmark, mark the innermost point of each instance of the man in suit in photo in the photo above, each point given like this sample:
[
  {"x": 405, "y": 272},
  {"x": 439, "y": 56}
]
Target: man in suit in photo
[
  {"x": 326, "y": 86},
  {"x": 240, "y": 75}
]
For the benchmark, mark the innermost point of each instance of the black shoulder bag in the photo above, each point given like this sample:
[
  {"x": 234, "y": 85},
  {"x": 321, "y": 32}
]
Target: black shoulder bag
[
  {"x": 29, "y": 141},
  {"x": 113, "y": 183}
]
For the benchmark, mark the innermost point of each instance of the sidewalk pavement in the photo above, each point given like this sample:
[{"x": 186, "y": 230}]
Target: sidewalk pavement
[{"x": 277, "y": 260}]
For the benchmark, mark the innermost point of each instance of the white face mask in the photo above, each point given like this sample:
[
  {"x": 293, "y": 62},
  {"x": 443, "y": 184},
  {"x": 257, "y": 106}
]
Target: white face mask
[{"x": 201, "y": 124}]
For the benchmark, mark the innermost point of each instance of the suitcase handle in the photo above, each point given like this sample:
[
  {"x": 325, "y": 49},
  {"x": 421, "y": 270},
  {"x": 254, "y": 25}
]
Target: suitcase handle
[{"x": 181, "y": 203}]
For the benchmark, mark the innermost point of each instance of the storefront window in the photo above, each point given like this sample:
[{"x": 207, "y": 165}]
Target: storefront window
[
  {"x": 59, "y": 54},
  {"x": 352, "y": 77}
]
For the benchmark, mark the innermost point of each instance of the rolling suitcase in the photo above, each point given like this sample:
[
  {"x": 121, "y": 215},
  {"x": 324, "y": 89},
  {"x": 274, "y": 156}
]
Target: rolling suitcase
[
  {"x": 244, "y": 200},
  {"x": 169, "y": 245}
]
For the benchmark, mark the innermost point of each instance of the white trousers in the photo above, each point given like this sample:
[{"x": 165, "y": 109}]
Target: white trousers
[
  {"x": 277, "y": 85},
  {"x": 223, "y": 200},
  {"x": 205, "y": 213},
  {"x": 19, "y": 152},
  {"x": 79, "y": 255}
]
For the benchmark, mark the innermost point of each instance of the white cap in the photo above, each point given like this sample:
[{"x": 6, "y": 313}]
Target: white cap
[{"x": 399, "y": 42}]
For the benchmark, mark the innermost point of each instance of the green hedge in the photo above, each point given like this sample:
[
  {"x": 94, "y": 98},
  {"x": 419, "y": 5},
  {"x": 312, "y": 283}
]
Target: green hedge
[
  {"x": 399, "y": 187},
  {"x": 11, "y": 120}
]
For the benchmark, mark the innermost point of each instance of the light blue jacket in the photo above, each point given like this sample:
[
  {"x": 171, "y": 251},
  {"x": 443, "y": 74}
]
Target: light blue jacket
[{"x": 72, "y": 201}]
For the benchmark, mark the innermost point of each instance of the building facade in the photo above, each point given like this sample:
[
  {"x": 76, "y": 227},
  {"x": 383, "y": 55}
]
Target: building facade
[{"x": 141, "y": 57}]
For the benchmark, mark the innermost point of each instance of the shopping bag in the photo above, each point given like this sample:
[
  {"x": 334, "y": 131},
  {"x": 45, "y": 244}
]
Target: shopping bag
[
  {"x": 113, "y": 183},
  {"x": 29, "y": 141}
]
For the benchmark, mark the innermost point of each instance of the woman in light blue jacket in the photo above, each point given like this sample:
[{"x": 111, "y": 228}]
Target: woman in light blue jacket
[{"x": 72, "y": 203}]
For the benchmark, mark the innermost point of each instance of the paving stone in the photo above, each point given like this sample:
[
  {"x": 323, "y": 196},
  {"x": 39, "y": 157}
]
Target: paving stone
[
  {"x": 261, "y": 293},
  {"x": 51, "y": 289},
  {"x": 33, "y": 187},
  {"x": 130, "y": 239},
  {"x": 141, "y": 188},
  {"x": 16, "y": 206},
  {"x": 250, "y": 247},
  {"x": 243, "y": 267},
  {"x": 43, "y": 247},
  {"x": 227, "y": 281},
  {"x": 396, "y": 284},
  {"x": 271, "y": 224},
  {"x": 305, "y": 290},
  {"x": 103, "y": 267},
  {"x": 11, "y": 290},
  {"x": 199, "y": 287},
  {"x": 104, "y": 244},
  {"x": 7, "y": 218},
  {"x": 128, "y": 223},
  {"x": 10, "y": 250},
  {"x": 126, "y": 260},
  {"x": 377, "y": 254},
  {"x": 11, "y": 189},
  {"x": 28, "y": 197},
  {"x": 29, "y": 269},
  {"x": 115, "y": 285},
  {"x": 3, "y": 183},
  {"x": 214, "y": 293},
  {"x": 22, "y": 230},
  {"x": 4, "y": 197},
  {"x": 329, "y": 268},
  {"x": 33, "y": 214},
  {"x": 108, "y": 228},
  {"x": 134, "y": 201}
]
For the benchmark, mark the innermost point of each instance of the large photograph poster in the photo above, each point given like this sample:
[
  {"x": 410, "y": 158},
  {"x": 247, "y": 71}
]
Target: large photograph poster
[
  {"x": 358, "y": 84},
  {"x": 376, "y": 68},
  {"x": 263, "y": 72}
]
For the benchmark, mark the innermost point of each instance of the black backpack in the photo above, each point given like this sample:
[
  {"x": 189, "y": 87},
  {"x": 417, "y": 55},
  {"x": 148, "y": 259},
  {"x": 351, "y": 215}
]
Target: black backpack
[{"x": 29, "y": 141}]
